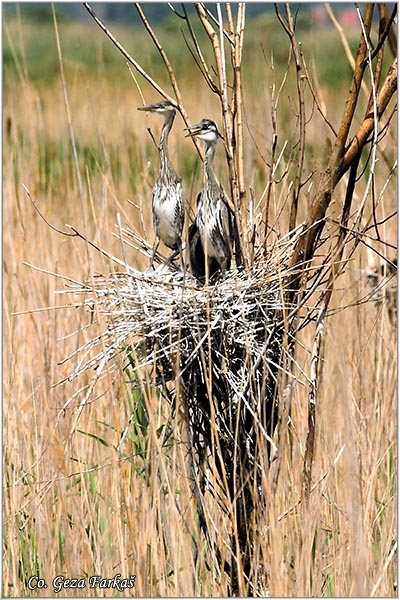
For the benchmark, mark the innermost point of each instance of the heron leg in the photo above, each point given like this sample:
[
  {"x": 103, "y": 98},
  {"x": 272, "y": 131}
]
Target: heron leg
[
  {"x": 175, "y": 253},
  {"x": 182, "y": 258},
  {"x": 155, "y": 248}
]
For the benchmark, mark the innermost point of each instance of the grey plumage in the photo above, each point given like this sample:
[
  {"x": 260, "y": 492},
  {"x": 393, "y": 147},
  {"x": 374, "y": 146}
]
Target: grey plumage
[
  {"x": 214, "y": 220},
  {"x": 168, "y": 202},
  {"x": 196, "y": 254}
]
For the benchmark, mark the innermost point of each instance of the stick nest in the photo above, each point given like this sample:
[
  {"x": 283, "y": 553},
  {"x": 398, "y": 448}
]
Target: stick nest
[{"x": 220, "y": 345}]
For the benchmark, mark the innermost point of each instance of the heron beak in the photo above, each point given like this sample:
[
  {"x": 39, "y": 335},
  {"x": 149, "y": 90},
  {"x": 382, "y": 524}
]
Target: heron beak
[
  {"x": 149, "y": 107},
  {"x": 193, "y": 130}
]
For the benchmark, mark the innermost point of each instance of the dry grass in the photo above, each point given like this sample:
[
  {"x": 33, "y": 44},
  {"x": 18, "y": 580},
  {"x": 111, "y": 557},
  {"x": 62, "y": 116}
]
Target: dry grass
[{"x": 79, "y": 505}]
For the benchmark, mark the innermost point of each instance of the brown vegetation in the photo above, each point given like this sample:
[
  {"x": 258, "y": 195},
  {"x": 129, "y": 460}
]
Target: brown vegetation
[{"x": 96, "y": 469}]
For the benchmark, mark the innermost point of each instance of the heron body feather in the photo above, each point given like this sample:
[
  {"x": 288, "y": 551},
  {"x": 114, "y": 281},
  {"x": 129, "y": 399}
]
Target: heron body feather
[
  {"x": 214, "y": 219},
  {"x": 213, "y": 222},
  {"x": 168, "y": 214},
  {"x": 168, "y": 199}
]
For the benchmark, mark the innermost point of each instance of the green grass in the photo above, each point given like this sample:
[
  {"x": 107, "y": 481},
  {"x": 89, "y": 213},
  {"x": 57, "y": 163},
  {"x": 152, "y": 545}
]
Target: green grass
[{"x": 30, "y": 48}]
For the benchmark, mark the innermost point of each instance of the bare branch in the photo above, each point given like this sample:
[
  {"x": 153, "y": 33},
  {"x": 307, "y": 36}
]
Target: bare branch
[
  {"x": 340, "y": 159},
  {"x": 378, "y": 66},
  {"x": 359, "y": 68},
  {"x": 118, "y": 261},
  {"x": 216, "y": 22},
  {"x": 345, "y": 43},
  {"x": 290, "y": 30},
  {"x": 385, "y": 94},
  {"x": 163, "y": 54},
  {"x": 129, "y": 58},
  {"x": 41, "y": 215},
  {"x": 200, "y": 61},
  {"x": 237, "y": 51},
  {"x": 213, "y": 36},
  {"x": 392, "y": 38},
  {"x": 385, "y": 27},
  {"x": 315, "y": 98}
]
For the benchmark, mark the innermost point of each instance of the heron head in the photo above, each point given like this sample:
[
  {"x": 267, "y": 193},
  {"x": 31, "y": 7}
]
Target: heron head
[
  {"x": 164, "y": 107},
  {"x": 205, "y": 130}
]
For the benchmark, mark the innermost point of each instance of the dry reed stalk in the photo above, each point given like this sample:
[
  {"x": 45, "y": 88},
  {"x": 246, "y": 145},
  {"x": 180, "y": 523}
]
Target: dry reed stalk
[{"x": 289, "y": 27}]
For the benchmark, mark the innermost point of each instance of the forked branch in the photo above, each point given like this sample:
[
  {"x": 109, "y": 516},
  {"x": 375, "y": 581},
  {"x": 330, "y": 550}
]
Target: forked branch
[{"x": 341, "y": 157}]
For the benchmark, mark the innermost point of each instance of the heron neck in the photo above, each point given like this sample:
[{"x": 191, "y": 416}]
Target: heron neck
[
  {"x": 209, "y": 163},
  {"x": 169, "y": 119}
]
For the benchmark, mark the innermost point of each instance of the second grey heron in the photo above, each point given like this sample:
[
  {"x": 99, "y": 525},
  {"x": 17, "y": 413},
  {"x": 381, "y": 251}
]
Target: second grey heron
[
  {"x": 214, "y": 219},
  {"x": 168, "y": 203}
]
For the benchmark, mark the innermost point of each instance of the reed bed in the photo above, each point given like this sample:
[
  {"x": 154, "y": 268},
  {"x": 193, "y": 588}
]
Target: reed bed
[{"x": 113, "y": 461}]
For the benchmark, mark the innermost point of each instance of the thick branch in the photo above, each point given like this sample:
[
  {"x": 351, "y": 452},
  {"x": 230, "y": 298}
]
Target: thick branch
[
  {"x": 386, "y": 93},
  {"x": 359, "y": 68},
  {"x": 379, "y": 61},
  {"x": 385, "y": 27},
  {"x": 238, "y": 95},
  {"x": 212, "y": 34},
  {"x": 345, "y": 43},
  {"x": 342, "y": 158},
  {"x": 236, "y": 58}
]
